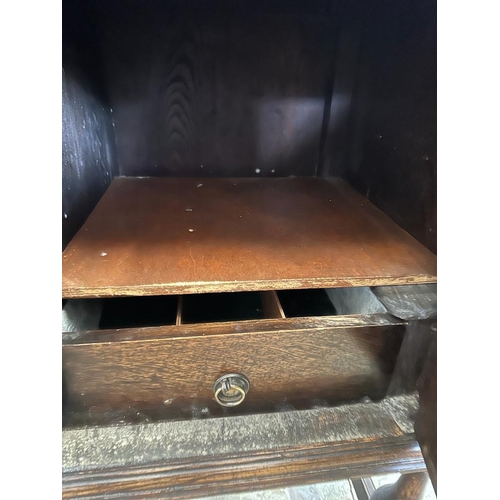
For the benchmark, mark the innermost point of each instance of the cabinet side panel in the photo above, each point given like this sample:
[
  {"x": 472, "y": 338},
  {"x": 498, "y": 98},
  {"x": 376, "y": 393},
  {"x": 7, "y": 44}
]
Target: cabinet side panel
[
  {"x": 88, "y": 144},
  {"x": 382, "y": 130}
]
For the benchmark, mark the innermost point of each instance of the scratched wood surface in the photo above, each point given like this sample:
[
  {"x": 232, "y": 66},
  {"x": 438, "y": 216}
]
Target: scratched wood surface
[
  {"x": 201, "y": 457},
  {"x": 286, "y": 360},
  {"x": 426, "y": 424},
  {"x": 152, "y": 236}
]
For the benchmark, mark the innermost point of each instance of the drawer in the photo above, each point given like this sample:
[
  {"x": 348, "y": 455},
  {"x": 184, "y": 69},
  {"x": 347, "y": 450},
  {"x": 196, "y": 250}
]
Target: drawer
[{"x": 155, "y": 372}]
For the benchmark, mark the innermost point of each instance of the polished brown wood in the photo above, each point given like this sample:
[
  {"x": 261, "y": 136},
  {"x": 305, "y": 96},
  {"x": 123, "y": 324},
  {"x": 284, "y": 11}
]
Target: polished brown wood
[
  {"x": 233, "y": 454},
  {"x": 151, "y": 236},
  {"x": 408, "y": 487},
  {"x": 286, "y": 361}
]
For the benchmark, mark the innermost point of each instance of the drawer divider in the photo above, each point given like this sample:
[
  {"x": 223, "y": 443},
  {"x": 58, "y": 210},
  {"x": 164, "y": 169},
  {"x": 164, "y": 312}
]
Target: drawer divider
[{"x": 272, "y": 305}]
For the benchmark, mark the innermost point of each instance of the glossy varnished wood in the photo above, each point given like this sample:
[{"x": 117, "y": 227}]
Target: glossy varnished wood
[
  {"x": 152, "y": 236},
  {"x": 286, "y": 361},
  {"x": 202, "y": 457}
]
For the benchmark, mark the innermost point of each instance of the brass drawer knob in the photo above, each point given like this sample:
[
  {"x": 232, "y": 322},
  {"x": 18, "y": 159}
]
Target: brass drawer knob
[{"x": 231, "y": 389}]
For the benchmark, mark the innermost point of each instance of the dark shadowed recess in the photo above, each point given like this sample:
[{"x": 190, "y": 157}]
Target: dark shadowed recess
[
  {"x": 216, "y": 88},
  {"x": 391, "y": 155},
  {"x": 239, "y": 88},
  {"x": 88, "y": 144}
]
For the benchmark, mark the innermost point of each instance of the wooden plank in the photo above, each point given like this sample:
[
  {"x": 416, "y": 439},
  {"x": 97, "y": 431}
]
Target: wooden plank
[
  {"x": 235, "y": 454},
  {"x": 178, "y": 318},
  {"x": 412, "y": 356},
  {"x": 172, "y": 371},
  {"x": 236, "y": 474},
  {"x": 89, "y": 159},
  {"x": 393, "y": 146},
  {"x": 410, "y": 302},
  {"x": 215, "y": 90},
  {"x": 275, "y": 325},
  {"x": 152, "y": 236},
  {"x": 271, "y": 304},
  {"x": 426, "y": 424},
  {"x": 337, "y": 143}
]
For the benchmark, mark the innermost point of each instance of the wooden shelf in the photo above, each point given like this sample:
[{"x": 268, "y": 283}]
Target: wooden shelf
[{"x": 162, "y": 236}]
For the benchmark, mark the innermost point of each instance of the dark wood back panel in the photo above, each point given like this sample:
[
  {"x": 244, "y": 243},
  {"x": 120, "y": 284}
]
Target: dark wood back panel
[{"x": 217, "y": 88}]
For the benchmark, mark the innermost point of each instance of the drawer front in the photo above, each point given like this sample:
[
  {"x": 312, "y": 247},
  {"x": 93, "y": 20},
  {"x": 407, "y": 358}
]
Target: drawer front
[{"x": 173, "y": 369}]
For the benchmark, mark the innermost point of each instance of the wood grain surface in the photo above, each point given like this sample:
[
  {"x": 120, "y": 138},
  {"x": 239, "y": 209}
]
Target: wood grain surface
[
  {"x": 88, "y": 144},
  {"x": 272, "y": 305},
  {"x": 217, "y": 88},
  {"x": 410, "y": 302},
  {"x": 426, "y": 424},
  {"x": 235, "y": 473},
  {"x": 286, "y": 360},
  {"x": 152, "y": 236},
  {"x": 201, "y": 457},
  {"x": 412, "y": 356}
]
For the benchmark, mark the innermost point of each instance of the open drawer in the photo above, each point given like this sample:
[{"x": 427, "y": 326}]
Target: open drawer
[{"x": 286, "y": 350}]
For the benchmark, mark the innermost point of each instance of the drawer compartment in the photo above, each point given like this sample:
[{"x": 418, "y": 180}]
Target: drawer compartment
[
  {"x": 169, "y": 372},
  {"x": 217, "y": 307}
]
